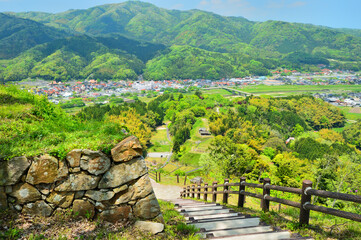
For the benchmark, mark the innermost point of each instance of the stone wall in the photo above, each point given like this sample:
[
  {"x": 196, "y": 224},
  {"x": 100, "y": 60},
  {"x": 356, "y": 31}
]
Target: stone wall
[{"x": 88, "y": 182}]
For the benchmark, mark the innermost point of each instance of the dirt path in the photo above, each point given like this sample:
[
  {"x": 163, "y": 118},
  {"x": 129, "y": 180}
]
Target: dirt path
[{"x": 166, "y": 192}]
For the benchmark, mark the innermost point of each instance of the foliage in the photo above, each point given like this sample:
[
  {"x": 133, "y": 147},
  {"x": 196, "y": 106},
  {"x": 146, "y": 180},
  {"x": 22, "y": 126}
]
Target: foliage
[
  {"x": 31, "y": 125},
  {"x": 18, "y": 35},
  {"x": 200, "y": 45},
  {"x": 183, "y": 62},
  {"x": 131, "y": 121},
  {"x": 74, "y": 57},
  {"x": 231, "y": 158},
  {"x": 352, "y": 134},
  {"x": 259, "y": 45}
]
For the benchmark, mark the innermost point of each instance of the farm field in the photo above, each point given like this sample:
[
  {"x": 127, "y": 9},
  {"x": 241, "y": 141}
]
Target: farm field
[
  {"x": 294, "y": 89},
  {"x": 196, "y": 145},
  {"x": 220, "y": 91},
  {"x": 351, "y": 113},
  {"x": 159, "y": 141},
  {"x": 146, "y": 99}
]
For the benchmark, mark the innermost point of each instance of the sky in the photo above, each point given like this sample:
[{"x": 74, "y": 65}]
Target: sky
[{"x": 332, "y": 13}]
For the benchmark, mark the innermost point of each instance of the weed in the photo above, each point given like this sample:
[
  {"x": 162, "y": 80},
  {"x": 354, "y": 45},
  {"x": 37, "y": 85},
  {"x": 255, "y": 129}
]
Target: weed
[{"x": 13, "y": 233}]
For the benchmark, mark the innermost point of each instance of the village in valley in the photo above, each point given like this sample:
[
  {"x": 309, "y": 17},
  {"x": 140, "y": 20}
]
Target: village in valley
[{"x": 98, "y": 91}]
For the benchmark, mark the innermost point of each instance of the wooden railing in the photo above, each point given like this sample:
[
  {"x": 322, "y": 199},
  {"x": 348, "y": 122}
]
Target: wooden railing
[
  {"x": 154, "y": 175},
  {"x": 304, "y": 205}
]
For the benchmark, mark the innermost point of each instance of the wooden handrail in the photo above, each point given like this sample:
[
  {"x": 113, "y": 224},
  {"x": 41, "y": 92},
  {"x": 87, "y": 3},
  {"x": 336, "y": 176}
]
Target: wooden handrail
[{"x": 304, "y": 205}]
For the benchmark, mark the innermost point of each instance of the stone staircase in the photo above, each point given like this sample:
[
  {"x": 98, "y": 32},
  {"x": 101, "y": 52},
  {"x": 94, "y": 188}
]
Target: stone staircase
[{"x": 219, "y": 222}]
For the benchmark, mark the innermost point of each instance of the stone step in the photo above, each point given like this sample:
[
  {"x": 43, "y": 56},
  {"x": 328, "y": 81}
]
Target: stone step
[
  {"x": 227, "y": 224},
  {"x": 215, "y": 219},
  {"x": 199, "y": 205},
  {"x": 222, "y": 215},
  {"x": 205, "y": 208},
  {"x": 237, "y": 231},
  {"x": 189, "y": 205},
  {"x": 202, "y": 213},
  {"x": 258, "y": 236}
]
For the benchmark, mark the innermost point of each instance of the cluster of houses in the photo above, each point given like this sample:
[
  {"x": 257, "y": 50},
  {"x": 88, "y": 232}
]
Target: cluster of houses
[
  {"x": 86, "y": 89},
  {"x": 353, "y": 99},
  {"x": 93, "y": 88}
]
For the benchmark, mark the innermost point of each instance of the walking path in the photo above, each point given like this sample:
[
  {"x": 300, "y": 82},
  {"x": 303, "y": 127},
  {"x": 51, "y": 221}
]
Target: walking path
[
  {"x": 166, "y": 192},
  {"x": 219, "y": 222},
  {"x": 216, "y": 221}
]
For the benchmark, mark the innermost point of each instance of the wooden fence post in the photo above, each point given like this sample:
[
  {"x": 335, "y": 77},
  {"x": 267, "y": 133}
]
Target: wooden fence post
[
  {"x": 199, "y": 191},
  {"x": 159, "y": 177},
  {"x": 225, "y": 189},
  {"x": 205, "y": 190},
  {"x": 214, "y": 195},
  {"x": 177, "y": 178},
  {"x": 156, "y": 176},
  {"x": 184, "y": 192},
  {"x": 193, "y": 190},
  {"x": 188, "y": 191},
  {"x": 242, "y": 188},
  {"x": 305, "y": 199},
  {"x": 266, "y": 192},
  {"x": 185, "y": 179}
]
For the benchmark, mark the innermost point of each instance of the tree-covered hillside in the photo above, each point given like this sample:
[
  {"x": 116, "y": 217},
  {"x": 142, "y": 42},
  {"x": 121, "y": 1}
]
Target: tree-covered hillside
[
  {"x": 18, "y": 35},
  {"x": 122, "y": 41},
  {"x": 205, "y": 30},
  {"x": 182, "y": 62},
  {"x": 74, "y": 57}
]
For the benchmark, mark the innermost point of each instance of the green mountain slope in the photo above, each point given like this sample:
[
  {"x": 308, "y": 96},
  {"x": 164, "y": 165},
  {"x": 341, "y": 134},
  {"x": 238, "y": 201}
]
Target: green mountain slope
[
  {"x": 74, "y": 57},
  {"x": 119, "y": 39},
  {"x": 182, "y": 62},
  {"x": 18, "y": 35},
  {"x": 206, "y": 30},
  {"x": 286, "y": 37},
  {"x": 143, "y": 50}
]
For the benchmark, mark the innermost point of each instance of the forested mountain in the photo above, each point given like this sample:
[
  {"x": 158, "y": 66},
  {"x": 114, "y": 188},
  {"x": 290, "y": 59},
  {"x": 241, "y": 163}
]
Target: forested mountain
[
  {"x": 204, "y": 30},
  {"x": 74, "y": 57},
  {"x": 350, "y": 31},
  {"x": 163, "y": 39},
  {"x": 182, "y": 62},
  {"x": 18, "y": 35}
]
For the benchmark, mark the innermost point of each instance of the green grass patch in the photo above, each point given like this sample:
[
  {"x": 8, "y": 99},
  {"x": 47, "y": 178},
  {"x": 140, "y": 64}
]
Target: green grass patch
[
  {"x": 170, "y": 168},
  {"x": 219, "y": 91},
  {"x": 298, "y": 88},
  {"x": 159, "y": 141},
  {"x": 191, "y": 159},
  {"x": 175, "y": 227},
  {"x": 146, "y": 99},
  {"x": 30, "y": 125},
  {"x": 350, "y": 116}
]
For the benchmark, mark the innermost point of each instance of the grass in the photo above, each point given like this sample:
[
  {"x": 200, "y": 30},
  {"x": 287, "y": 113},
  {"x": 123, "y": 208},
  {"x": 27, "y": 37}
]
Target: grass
[
  {"x": 194, "y": 147},
  {"x": 291, "y": 89},
  {"x": 219, "y": 91},
  {"x": 146, "y": 99},
  {"x": 31, "y": 125},
  {"x": 176, "y": 228},
  {"x": 284, "y": 88},
  {"x": 159, "y": 141},
  {"x": 350, "y": 116},
  {"x": 65, "y": 226},
  {"x": 190, "y": 159}
]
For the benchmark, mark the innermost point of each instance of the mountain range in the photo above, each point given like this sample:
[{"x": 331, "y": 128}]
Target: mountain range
[{"x": 131, "y": 38}]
